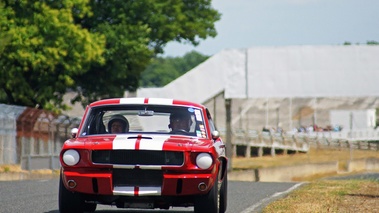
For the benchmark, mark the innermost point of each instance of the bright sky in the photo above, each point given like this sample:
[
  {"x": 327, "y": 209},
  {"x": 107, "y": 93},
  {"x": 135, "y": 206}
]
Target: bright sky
[{"x": 249, "y": 23}]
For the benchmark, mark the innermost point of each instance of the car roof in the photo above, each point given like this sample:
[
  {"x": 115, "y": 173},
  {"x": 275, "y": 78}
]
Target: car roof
[{"x": 147, "y": 101}]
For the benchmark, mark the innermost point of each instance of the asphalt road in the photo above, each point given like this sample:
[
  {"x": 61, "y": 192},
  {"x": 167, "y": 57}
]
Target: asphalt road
[{"x": 41, "y": 196}]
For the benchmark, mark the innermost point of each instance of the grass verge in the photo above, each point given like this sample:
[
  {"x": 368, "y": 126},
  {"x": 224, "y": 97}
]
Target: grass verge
[
  {"x": 320, "y": 195},
  {"x": 330, "y": 196}
]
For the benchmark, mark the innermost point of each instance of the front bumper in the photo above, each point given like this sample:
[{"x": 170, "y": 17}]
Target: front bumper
[{"x": 103, "y": 183}]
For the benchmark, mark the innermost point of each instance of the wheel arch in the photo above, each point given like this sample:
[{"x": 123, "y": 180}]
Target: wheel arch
[{"x": 223, "y": 167}]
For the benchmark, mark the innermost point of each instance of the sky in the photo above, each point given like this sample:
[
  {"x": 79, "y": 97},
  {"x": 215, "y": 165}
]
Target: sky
[{"x": 249, "y": 23}]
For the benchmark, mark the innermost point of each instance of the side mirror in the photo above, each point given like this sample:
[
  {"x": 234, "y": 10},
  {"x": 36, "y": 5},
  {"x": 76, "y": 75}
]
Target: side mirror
[
  {"x": 74, "y": 132},
  {"x": 215, "y": 135}
]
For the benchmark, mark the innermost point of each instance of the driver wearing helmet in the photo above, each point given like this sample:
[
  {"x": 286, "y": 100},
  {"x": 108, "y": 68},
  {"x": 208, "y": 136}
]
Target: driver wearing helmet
[
  {"x": 118, "y": 124},
  {"x": 180, "y": 121}
]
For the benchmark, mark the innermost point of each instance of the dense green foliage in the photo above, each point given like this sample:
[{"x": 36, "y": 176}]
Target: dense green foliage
[
  {"x": 372, "y": 43},
  {"x": 96, "y": 48},
  {"x": 164, "y": 70},
  {"x": 368, "y": 43},
  {"x": 45, "y": 49}
]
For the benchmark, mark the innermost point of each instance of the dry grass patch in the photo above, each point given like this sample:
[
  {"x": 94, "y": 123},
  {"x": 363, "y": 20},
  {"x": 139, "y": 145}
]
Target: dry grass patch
[
  {"x": 15, "y": 168},
  {"x": 10, "y": 168},
  {"x": 330, "y": 196}
]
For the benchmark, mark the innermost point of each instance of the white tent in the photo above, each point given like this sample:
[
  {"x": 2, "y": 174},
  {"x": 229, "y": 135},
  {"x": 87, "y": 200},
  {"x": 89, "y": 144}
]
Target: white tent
[
  {"x": 266, "y": 77},
  {"x": 290, "y": 71}
]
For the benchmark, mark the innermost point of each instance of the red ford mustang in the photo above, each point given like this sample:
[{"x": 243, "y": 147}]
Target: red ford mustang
[{"x": 144, "y": 153}]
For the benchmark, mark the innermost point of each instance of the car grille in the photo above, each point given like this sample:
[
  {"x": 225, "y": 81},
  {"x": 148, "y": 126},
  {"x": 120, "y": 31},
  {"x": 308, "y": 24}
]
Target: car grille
[
  {"x": 138, "y": 157},
  {"x": 137, "y": 177}
]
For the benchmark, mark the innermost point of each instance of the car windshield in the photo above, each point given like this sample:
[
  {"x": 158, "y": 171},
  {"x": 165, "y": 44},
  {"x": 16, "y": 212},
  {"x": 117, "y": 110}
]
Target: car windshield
[{"x": 145, "y": 119}]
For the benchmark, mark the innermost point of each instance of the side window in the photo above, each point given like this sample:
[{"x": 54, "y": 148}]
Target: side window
[
  {"x": 210, "y": 121},
  {"x": 211, "y": 125},
  {"x": 88, "y": 127},
  {"x": 94, "y": 124}
]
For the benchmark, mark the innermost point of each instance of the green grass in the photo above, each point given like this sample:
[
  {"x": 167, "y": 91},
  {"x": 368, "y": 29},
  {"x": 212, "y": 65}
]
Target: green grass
[{"x": 330, "y": 196}]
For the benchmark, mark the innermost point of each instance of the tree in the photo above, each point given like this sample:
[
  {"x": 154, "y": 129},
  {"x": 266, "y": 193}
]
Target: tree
[
  {"x": 45, "y": 51},
  {"x": 4, "y": 38},
  {"x": 97, "y": 48},
  {"x": 164, "y": 70},
  {"x": 136, "y": 32},
  {"x": 372, "y": 43}
]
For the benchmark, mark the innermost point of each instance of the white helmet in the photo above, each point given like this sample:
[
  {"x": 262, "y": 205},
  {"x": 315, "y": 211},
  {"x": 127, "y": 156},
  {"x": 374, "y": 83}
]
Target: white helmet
[{"x": 121, "y": 119}]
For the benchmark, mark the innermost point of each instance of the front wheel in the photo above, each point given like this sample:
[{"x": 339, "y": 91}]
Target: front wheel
[
  {"x": 70, "y": 202},
  {"x": 224, "y": 194},
  {"x": 208, "y": 203}
]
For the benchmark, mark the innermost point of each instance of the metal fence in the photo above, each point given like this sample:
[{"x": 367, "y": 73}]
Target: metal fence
[
  {"x": 32, "y": 137},
  {"x": 256, "y": 143}
]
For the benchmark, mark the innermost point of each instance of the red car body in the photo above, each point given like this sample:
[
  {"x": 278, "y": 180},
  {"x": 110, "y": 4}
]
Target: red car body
[{"x": 148, "y": 166}]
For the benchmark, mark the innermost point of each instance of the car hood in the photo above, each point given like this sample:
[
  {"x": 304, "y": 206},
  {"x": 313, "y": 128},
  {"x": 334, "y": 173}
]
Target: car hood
[{"x": 141, "y": 142}]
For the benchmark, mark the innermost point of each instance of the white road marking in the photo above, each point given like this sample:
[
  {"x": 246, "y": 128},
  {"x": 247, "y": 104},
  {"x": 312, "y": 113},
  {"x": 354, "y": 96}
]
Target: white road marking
[{"x": 254, "y": 207}]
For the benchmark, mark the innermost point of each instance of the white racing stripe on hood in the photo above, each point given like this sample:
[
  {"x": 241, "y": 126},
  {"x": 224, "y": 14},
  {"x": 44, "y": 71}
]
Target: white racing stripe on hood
[
  {"x": 153, "y": 144},
  {"x": 122, "y": 142},
  {"x": 156, "y": 143}
]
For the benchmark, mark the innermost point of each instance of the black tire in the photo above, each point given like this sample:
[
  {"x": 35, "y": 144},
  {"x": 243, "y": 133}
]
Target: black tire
[
  {"x": 72, "y": 202},
  {"x": 89, "y": 207},
  {"x": 208, "y": 203},
  {"x": 224, "y": 194}
]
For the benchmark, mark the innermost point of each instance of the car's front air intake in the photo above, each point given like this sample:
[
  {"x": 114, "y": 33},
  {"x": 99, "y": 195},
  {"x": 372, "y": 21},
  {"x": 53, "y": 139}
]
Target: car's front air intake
[{"x": 138, "y": 157}]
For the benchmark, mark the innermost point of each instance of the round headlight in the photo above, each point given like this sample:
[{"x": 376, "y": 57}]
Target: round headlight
[
  {"x": 71, "y": 157},
  {"x": 204, "y": 160}
]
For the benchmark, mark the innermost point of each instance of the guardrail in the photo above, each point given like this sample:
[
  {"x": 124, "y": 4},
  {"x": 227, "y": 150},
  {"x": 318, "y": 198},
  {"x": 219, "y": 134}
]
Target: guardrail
[{"x": 248, "y": 143}]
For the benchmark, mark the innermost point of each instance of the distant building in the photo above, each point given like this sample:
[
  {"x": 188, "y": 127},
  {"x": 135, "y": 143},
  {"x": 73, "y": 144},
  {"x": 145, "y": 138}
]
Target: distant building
[{"x": 291, "y": 85}]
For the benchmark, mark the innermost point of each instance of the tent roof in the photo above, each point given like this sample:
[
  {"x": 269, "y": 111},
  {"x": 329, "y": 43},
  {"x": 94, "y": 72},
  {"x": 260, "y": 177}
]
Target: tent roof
[{"x": 272, "y": 72}]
